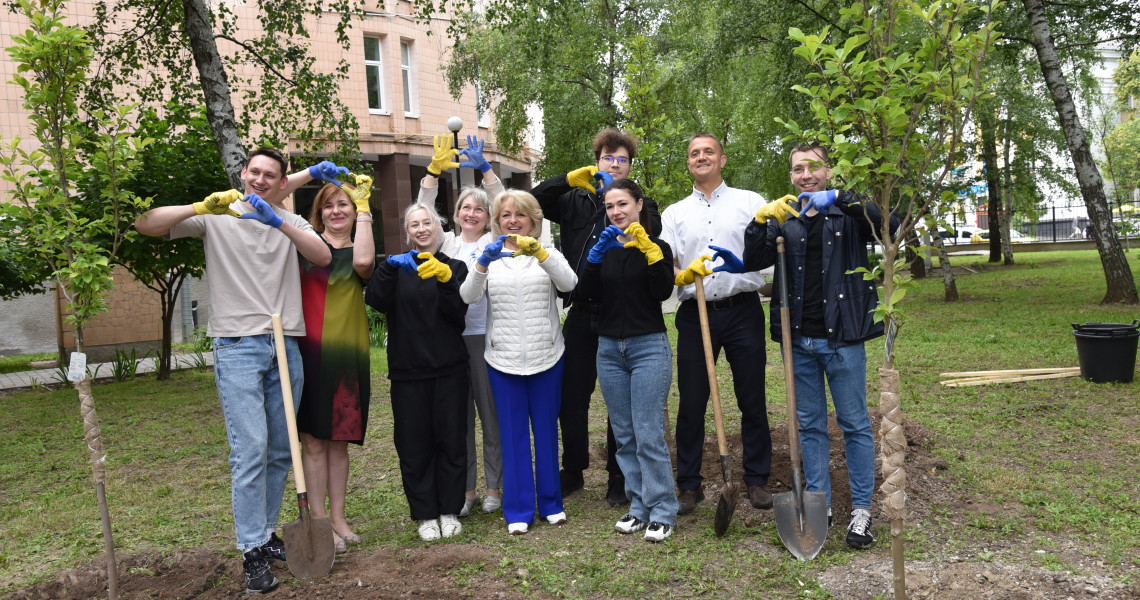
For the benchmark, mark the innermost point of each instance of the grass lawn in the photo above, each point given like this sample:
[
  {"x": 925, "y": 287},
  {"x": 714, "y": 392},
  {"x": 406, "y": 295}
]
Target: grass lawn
[{"x": 1032, "y": 475}]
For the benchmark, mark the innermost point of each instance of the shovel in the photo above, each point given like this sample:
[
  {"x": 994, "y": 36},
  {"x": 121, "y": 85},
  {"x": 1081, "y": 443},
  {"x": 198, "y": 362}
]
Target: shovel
[
  {"x": 309, "y": 546},
  {"x": 728, "y": 493},
  {"x": 801, "y": 517}
]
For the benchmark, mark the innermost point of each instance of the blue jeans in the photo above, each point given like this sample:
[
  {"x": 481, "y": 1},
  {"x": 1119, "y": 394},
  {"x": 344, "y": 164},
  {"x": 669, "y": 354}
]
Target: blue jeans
[
  {"x": 846, "y": 371},
  {"x": 634, "y": 375},
  {"x": 249, "y": 387}
]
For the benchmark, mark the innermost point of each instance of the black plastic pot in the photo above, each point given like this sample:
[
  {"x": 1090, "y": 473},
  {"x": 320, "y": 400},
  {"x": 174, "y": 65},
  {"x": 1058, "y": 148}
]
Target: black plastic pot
[{"x": 1107, "y": 351}]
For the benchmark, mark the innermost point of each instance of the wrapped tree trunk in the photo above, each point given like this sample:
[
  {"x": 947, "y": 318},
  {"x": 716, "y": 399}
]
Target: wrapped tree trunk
[
  {"x": 894, "y": 471},
  {"x": 91, "y": 433}
]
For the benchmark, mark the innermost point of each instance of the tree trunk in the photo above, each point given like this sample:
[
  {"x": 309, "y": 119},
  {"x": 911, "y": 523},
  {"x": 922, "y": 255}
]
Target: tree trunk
[
  {"x": 91, "y": 434},
  {"x": 215, "y": 88},
  {"x": 168, "y": 298},
  {"x": 948, "y": 282},
  {"x": 1121, "y": 287},
  {"x": 1007, "y": 202},
  {"x": 988, "y": 125},
  {"x": 916, "y": 261}
]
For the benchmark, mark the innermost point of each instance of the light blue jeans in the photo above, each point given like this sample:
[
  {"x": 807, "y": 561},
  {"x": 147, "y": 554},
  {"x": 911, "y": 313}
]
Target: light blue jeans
[
  {"x": 249, "y": 387},
  {"x": 846, "y": 372},
  {"x": 634, "y": 375}
]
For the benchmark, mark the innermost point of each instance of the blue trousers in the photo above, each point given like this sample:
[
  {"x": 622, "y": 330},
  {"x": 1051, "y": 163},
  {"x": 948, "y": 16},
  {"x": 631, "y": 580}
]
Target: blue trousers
[{"x": 523, "y": 403}]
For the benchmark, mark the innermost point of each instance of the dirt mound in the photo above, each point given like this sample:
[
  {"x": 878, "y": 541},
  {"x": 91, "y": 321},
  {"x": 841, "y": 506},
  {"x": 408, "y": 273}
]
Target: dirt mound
[{"x": 413, "y": 573}]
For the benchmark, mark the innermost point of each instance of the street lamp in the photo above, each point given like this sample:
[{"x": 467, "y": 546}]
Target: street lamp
[{"x": 455, "y": 124}]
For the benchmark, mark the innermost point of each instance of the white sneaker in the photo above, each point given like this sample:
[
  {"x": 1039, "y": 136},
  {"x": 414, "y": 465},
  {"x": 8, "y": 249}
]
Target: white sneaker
[
  {"x": 629, "y": 524},
  {"x": 492, "y": 504},
  {"x": 449, "y": 526},
  {"x": 468, "y": 504},
  {"x": 556, "y": 519},
  {"x": 657, "y": 532},
  {"x": 517, "y": 528},
  {"x": 429, "y": 530}
]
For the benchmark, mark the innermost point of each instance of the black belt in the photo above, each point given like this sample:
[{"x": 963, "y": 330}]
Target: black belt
[{"x": 729, "y": 302}]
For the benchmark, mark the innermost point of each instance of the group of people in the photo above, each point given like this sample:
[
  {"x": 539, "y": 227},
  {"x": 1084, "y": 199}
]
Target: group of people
[{"x": 474, "y": 328}]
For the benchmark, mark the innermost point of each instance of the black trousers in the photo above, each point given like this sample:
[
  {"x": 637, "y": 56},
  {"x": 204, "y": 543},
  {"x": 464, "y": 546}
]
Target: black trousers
[
  {"x": 739, "y": 330},
  {"x": 430, "y": 430},
  {"x": 579, "y": 378}
]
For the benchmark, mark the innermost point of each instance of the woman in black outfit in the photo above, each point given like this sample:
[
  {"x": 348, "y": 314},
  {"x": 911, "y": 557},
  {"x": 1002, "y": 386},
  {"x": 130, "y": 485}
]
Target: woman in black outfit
[{"x": 427, "y": 364}]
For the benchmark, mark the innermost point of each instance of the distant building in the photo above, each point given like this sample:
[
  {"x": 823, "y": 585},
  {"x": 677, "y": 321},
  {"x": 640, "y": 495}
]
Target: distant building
[{"x": 399, "y": 98}]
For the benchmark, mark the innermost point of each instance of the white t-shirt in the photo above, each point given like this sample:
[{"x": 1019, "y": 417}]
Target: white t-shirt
[
  {"x": 253, "y": 271},
  {"x": 696, "y": 222}
]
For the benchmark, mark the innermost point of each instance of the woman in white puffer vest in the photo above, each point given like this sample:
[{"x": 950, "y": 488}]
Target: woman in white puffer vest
[{"x": 524, "y": 354}]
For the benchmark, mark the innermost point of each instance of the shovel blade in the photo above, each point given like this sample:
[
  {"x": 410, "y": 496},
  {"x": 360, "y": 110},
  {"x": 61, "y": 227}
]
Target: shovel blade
[
  {"x": 802, "y": 529},
  {"x": 725, "y": 506},
  {"x": 309, "y": 546}
]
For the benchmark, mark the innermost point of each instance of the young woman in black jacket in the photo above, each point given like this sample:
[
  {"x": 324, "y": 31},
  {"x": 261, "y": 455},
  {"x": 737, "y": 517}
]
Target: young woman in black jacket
[{"x": 631, "y": 273}]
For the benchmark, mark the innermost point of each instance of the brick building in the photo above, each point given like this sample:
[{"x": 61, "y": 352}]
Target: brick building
[{"x": 400, "y": 100}]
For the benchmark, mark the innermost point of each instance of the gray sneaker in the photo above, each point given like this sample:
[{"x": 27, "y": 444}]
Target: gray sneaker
[
  {"x": 492, "y": 504},
  {"x": 468, "y": 504}
]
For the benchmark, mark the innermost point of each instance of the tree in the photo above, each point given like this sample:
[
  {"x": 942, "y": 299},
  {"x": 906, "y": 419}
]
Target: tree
[
  {"x": 183, "y": 167},
  {"x": 1121, "y": 287},
  {"x": 1122, "y": 150},
  {"x": 149, "y": 45},
  {"x": 52, "y": 63},
  {"x": 892, "y": 101}
]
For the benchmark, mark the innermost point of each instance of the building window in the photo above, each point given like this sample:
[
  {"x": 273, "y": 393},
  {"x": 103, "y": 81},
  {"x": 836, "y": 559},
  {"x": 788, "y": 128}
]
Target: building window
[
  {"x": 407, "y": 71},
  {"x": 374, "y": 68}
]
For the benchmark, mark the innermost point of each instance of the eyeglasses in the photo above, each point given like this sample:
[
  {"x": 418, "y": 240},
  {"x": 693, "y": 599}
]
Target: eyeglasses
[{"x": 621, "y": 160}]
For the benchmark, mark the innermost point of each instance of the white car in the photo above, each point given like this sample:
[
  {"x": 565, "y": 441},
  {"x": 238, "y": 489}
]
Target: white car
[{"x": 962, "y": 235}]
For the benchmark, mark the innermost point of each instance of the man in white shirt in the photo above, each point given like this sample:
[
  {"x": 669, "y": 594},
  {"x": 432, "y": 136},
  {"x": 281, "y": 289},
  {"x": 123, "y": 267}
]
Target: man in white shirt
[{"x": 717, "y": 215}]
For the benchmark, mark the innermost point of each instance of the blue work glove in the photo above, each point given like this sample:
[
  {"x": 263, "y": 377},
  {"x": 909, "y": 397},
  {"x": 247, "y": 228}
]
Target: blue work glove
[
  {"x": 604, "y": 180},
  {"x": 328, "y": 172},
  {"x": 732, "y": 264},
  {"x": 819, "y": 200},
  {"x": 474, "y": 154},
  {"x": 606, "y": 241},
  {"x": 264, "y": 212},
  {"x": 405, "y": 261},
  {"x": 493, "y": 251}
]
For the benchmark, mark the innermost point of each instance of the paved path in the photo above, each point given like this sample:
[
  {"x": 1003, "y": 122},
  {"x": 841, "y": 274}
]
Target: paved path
[{"x": 28, "y": 379}]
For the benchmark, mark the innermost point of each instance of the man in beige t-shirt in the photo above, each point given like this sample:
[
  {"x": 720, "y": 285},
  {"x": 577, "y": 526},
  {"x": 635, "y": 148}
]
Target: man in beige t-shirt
[{"x": 251, "y": 244}]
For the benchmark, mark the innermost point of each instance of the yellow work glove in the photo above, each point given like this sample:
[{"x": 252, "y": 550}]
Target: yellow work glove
[
  {"x": 696, "y": 269},
  {"x": 433, "y": 268},
  {"x": 444, "y": 155},
  {"x": 777, "y": 209},
  {"x": 642, "y": 242},
  {"x": 583, "y": 178},
  {"x": 218, "y": 203},
  {"x": 360, "y": 192},
  {"x": 530, "y": 247}
]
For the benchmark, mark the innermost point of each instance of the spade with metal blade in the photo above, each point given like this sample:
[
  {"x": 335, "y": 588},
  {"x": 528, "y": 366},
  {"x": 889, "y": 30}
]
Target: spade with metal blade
[
  {"x": 801, "y": 517},
  {"x": 309, "y": 546},
  {"x": 728, "y": 493}
]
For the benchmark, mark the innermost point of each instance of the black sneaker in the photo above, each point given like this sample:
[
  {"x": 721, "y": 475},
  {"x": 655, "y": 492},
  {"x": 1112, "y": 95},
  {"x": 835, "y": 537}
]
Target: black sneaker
[
  {"x": 859, "y": 530},
  {"x": 658, "y": 532},
  {"x": 615, "y": 495},
  {"x": 274, "y": 549},
  {"x": 830, "y": 519},
  {"x": 572, "y": 481},
  {"x": 258, "y": 578}
]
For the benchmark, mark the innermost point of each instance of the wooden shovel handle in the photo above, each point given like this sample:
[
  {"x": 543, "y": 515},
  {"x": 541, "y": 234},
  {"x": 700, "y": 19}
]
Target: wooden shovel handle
[
  {"x": 287, "y": 394},
  {"x": 786, "y": 345},
  {"x": 706, "y": 337}
]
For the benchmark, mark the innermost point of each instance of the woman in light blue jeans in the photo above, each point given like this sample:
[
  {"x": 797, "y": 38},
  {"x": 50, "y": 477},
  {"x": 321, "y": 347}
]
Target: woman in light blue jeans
[{"x": 632, "y": 273}]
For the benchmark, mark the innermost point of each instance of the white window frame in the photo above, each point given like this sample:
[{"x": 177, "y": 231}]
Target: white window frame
[
  {"x": 379, "y": 64},
  {"x": 408, "y": 78}
]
